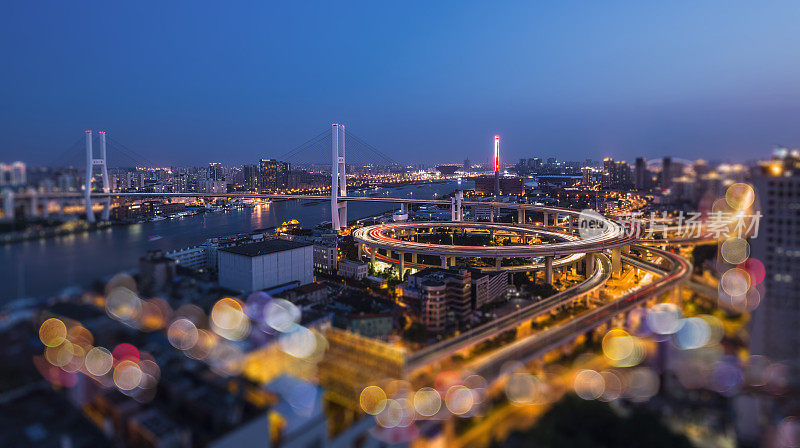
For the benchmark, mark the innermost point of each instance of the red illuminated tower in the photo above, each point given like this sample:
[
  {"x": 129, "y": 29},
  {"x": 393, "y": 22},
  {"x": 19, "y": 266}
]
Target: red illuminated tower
[{"x": 497, "y": 165}]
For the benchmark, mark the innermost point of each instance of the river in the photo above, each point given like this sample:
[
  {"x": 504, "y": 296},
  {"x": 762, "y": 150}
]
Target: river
[{"x": 44, "y": 267}]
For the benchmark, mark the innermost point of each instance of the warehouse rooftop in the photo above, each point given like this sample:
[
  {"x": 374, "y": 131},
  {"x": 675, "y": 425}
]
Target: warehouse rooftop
[{"x": 265, "y": 247}]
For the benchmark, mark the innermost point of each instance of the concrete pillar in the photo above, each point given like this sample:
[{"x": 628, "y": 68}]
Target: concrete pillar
[
  {"x": 521, "y": 216},
  {"x": 8, "y": 204},
  {"x": 589, "y": 264},
  {"x": 401, "y": 263},
  {"x": 626, "y": 250},
  {"x": 569, "y": 223},
  {"x": 497, "y": 263},
  {"x": 676, "y": 294},
  {"x": 372, "y": 251},
  {"x": 444, "y": 261},
  {"x": 616, "y": 262},
  {"x": 555, "y": 221},
  {"x": 414, "y": 258},
  {"x": 548, "y": 270},
  {"x": 106, "y": 189},
  {"x": 459, "y": 199},
  {"x": 403, "y": 208},
  {"x": 544, "y": 219},
  {"x": 491, "y": 214},
  {"x": 87, "y": 187},
  {"x": 360, "y": 251}
]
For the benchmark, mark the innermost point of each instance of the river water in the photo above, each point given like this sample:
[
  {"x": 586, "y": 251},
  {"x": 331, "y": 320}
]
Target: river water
[{"x": 44, "y": 267}]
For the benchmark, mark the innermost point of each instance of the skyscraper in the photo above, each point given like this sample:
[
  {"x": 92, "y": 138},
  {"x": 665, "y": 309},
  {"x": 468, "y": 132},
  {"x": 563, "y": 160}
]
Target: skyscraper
[
  {"x": 273, "y": 175},
  {"x": 774, "y": 323},
  {"x": 250, "y": 177},
  {"x": 215, "y": 171},
  {"x": 642, "y": 175},
  {"x": 777, "y": 318},
  {"x": 666, "y": 172}
]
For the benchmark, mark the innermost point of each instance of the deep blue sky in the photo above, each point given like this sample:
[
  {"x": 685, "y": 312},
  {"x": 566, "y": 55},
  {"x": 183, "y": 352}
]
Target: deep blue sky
[{"x": 186, "y": 82}]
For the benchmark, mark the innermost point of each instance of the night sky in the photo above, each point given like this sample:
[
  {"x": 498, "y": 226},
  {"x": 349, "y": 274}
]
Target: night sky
[{"x": 192, "y": 82}]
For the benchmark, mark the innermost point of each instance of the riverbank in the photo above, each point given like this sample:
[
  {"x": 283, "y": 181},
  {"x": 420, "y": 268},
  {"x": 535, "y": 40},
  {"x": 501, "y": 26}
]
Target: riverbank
[{"x": 42, "y": 267}]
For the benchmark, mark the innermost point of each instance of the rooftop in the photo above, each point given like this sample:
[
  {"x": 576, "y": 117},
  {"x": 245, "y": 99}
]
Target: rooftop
[{"x": 265, "y": 247}]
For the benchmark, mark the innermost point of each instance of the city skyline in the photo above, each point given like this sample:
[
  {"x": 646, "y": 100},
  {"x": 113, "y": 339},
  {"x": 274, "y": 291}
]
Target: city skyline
[
  {"x": 182, "y": 93},
  {"x": 384, "y": 225}
]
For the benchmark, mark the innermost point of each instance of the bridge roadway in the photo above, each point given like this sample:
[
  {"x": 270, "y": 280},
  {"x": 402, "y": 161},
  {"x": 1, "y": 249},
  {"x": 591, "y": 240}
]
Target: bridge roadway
[
  {"x": 557, "y": 263},
  {"x": 376, "y": 236},
  {"x": 442, "y": 202},
  {"x": 510, "y": 321},
  {"x": 524, "y": 350},
  {"x": 698, "y": 287}
]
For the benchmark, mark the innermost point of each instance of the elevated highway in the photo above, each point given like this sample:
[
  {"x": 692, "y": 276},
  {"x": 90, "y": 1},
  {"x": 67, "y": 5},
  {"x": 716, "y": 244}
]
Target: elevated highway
[
  {"x": 508, "y": 322},
  {"x": 524, "y": 350}
]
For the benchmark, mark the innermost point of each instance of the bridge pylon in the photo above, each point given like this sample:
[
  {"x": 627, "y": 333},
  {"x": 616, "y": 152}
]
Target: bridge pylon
[
  {"x": 338, "y": 178},
  {"x": 101, "y": 163}
]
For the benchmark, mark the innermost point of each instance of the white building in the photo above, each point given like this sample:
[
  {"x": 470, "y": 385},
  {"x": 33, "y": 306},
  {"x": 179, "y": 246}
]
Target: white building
[
  {"x": 193, "y": 257},
  {"x": 265, "y": 264},
  {"x": 352, "y": 269}
]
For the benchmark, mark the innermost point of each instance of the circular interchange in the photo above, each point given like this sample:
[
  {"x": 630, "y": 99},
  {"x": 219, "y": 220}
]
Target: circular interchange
[{"x": 570, "y": 248}]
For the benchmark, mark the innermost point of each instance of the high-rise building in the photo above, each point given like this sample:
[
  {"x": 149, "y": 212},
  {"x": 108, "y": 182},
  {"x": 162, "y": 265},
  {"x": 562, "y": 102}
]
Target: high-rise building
[
  {"x": 777, "y": 318},
  {"x": 440, "y": 296},
  {"x": 666, "y": 172},
  {"x": 467, "y": 165},
  {"x": 215, "y": 171},
  {"x": 273, "y": 175},
  {"x": 774, "y": 323},
  {"x": 13, "y": 175},
  {"x": 250, "y": 177},
  {"x": 616, "y": 174},
  {"x": 642, "y": 175}
]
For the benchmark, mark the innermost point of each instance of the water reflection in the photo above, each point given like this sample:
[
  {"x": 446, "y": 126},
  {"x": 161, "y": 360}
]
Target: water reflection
[{"x": 42, "y": 267}]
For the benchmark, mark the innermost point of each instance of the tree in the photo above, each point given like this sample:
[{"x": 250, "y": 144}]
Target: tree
[{"x": 574, "y": 422}]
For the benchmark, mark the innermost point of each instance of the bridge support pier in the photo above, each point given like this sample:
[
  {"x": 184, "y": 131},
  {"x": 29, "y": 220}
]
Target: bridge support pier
[
  {"x": 548, "y": 270},
  {"x": 457, "y": 209},
  {"x": 401, "y": 263},
  {"x": 338, "y": 178},
  {"x": 414, "y": 258},
  {"x": 545, "y": 219},
  {"x": 106, "y": 214},
  {"x": 87, "y": 187},
  {"x": 360, "y": 251},
  {"x": 372, "y": 251},
  {"x": 521, "y": 216},
  {"x": 444, "y": 261},
  {"x": 491, "y": 214},
  {"x": 616, "y": 262},
  {"x": 589, "y": 264},
  {"x": 677, "y": 294},
  {"x": 498, "y": 263}
]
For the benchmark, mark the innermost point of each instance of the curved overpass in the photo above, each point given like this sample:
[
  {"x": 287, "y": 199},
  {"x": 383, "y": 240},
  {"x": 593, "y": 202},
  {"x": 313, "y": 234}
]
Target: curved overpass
[
  {"x": 378, "y": 236},
  {"x": 679, "y": 271},
  {"x": 510, "y": 321}
]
